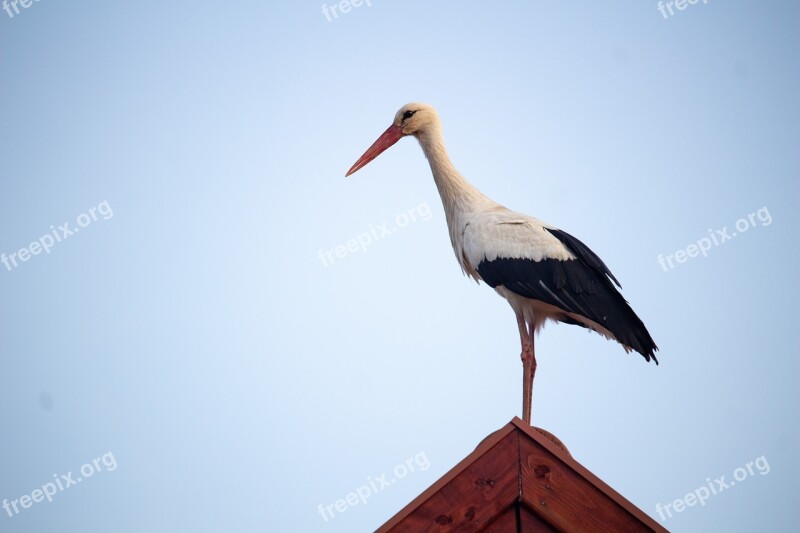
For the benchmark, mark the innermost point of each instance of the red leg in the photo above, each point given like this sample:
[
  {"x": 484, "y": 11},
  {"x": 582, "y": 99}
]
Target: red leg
[
  {"x": 528, "y": 367},
  {"x": 531, "y": 374}
]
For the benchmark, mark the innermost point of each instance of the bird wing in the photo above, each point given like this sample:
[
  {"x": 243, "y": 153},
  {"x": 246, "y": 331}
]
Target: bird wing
[
  {"x": 539, "y": 262},
  {"x": 503, "y": 233}
]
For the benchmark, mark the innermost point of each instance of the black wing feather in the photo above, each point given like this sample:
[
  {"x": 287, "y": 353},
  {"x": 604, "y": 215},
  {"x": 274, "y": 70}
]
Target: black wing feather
[{"x": 580, "y": 286}]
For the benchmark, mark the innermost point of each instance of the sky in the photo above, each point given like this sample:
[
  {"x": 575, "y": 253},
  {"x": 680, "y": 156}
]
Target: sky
[{"x": 214, "y": 330}]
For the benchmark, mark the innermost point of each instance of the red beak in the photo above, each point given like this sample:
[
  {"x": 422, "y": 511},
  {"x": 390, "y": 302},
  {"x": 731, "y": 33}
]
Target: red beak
[{"x": 388, "y": 138}]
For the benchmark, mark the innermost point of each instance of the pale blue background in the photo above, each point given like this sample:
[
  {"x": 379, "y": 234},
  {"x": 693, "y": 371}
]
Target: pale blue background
[{"x": 240, "y": 383}]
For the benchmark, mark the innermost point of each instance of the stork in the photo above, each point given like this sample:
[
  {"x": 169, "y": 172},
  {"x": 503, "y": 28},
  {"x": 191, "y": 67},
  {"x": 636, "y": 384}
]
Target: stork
[{"x": 543, "y": 272}]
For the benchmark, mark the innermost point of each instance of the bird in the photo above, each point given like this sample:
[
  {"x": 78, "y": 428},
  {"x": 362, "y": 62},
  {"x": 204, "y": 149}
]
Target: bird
[{"x": 543, "y": 272}]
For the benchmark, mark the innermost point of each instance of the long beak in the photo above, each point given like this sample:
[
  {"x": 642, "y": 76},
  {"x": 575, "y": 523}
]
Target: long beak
[{"x": 388, "y": 138}]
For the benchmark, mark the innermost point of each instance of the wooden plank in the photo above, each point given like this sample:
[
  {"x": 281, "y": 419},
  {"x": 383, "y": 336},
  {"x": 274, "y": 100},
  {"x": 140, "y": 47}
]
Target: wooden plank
[
  {"x": 487, "y": 444},
  {"x": 530, "y": 522},
  {"x": 473, "y": 495},
  {"x": 567, "y": 500},
  {"x": 505, "y": 523},
  {"x": 520, "y": 478},
  {"x": 574, "y": 472}
]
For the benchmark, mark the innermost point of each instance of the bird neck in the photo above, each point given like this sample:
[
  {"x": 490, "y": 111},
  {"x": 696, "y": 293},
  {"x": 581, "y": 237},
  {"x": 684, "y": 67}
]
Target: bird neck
[
  {"x": 458, "y": 195},
  {"x": 459, "y": 198}
]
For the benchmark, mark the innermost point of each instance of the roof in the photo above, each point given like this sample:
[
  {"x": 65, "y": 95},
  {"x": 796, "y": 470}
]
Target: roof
[{"x": 520, "y": 479}]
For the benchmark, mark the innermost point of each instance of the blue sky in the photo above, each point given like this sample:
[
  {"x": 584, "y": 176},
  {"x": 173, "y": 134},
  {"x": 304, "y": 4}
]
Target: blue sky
[{"x": 239, "y": 382}]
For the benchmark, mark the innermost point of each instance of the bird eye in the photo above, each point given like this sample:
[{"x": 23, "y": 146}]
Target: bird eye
[{"x": 408, "y": 114}]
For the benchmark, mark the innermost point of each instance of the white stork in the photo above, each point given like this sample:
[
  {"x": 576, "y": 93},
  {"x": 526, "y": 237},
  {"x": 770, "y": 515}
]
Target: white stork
[{"x": 543, "y": 272}]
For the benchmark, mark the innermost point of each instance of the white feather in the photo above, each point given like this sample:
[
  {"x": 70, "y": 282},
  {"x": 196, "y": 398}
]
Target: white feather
[{"x": 506, "y": 234}]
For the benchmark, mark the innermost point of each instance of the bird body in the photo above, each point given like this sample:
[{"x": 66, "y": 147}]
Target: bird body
[{"x": 544, "y": 273}]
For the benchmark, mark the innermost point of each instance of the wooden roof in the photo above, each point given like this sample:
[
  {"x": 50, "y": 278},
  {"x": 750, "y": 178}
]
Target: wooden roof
[{"x": 520, "y": 479}]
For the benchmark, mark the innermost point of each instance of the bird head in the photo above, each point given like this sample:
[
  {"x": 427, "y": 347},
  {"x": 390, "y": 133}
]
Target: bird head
[
  {"x": 415, "y": 118},
  {"x": 412, "y": 119}
]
